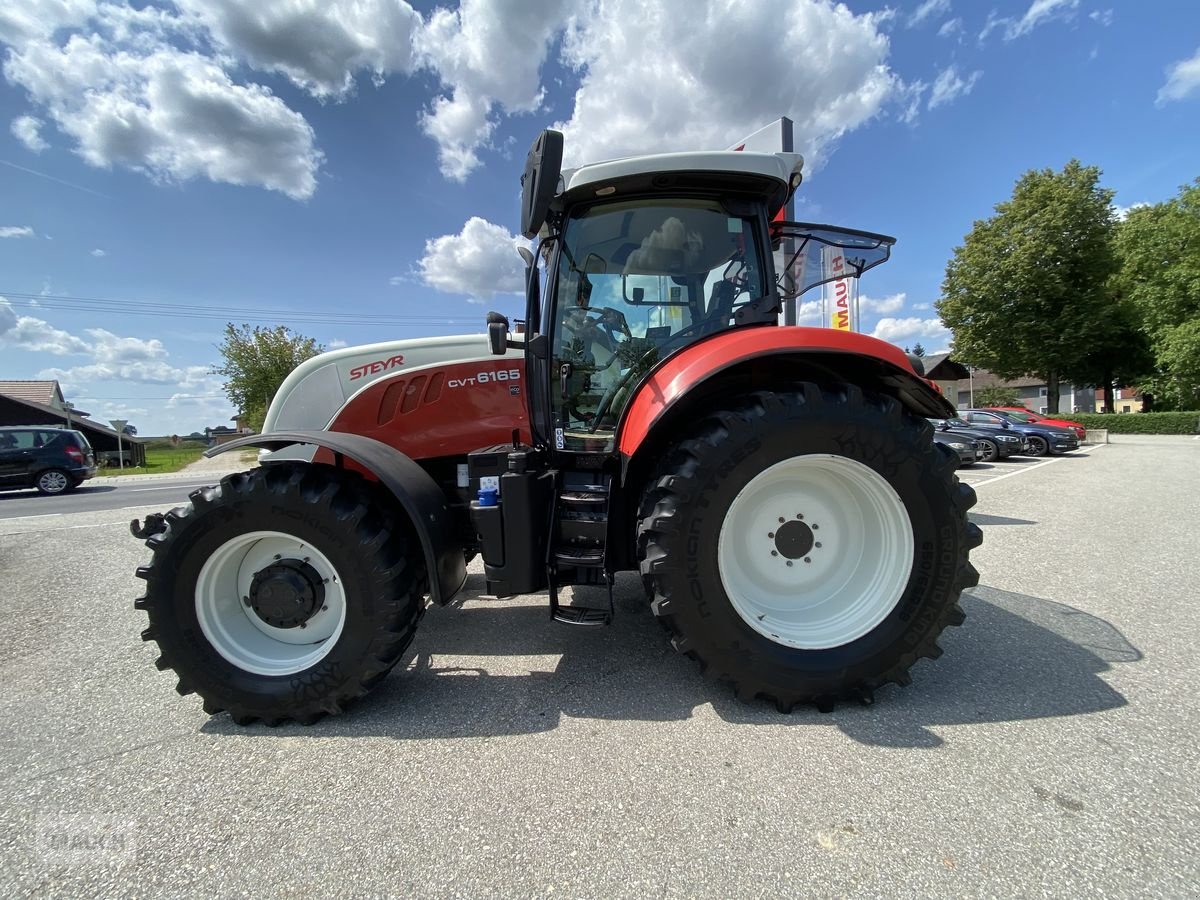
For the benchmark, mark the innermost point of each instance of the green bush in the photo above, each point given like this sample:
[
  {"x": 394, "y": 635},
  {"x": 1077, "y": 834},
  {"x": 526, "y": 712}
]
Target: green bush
[{"x": 1136, "y": 423}]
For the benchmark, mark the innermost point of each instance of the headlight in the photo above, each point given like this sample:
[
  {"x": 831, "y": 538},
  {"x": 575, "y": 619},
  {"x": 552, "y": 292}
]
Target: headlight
[{"x": 957, "y": 446}]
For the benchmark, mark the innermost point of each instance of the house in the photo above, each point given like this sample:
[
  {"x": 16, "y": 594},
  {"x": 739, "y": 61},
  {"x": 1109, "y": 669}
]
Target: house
[
  {"x": 1030, "y": 390},
  {"x": 1125, "y": 400},
  {"x": 14, "y": 410}
]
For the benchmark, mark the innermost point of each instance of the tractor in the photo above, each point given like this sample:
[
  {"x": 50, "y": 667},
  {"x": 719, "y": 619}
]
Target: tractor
[{"x": 796, "y": 530}]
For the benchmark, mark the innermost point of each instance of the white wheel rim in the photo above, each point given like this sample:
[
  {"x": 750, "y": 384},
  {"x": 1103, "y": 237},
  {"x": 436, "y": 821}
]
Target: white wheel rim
[
  {"x": 852, "y": 576},
  {"x": 53, "y": 482},
  {"x": 237, "y": 632}
]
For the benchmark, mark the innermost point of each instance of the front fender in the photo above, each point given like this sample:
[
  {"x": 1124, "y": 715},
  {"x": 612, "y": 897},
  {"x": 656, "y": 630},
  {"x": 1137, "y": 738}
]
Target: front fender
[
  {"x": 411, "y": 485},
  {"x": 671, "y": 381}
]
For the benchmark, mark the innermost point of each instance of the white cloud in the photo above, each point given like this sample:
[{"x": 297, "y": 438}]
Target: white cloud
[
  {"x": 906, "y": 331},
  {"x": 480, "y": 261},
  {"x": 35, "y": 335},
  {"x": 882, "y": 305},
  {"x": 948, "y": 86},
  {"x": 27, "y": 130},
  {"x": 15, "y": 231},
  {"x": 318, "y": 44},
  {"x": 488, "y": 55},
  {"x": 1101, "y": 16},
  {"x": 32, "y": 19},
  {"x": 338, "y": 344},
  {"x": 928, "y": 10},
  {"x": 128, "y": 97},
  {"x": 1121, "y": 213},
  {"x": 950, "y": 28},
  {"x": 1183, "y": 80},
  {"x": 112, "y": 357},
  {"x": 658, "y": 79},
  {"x": 98, "y": 253},
  {"x": 1039, "y": 13},
  {"x": 911, "y": 94}
]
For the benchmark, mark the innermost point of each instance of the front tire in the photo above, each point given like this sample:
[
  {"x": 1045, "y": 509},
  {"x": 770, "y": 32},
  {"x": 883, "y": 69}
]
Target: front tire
[
  {"x": 991, "y": 450},
  {"x": 808, "y": 546},
  {"x": 1038, "y": 446},
  {"x": 284, "y": 593}
]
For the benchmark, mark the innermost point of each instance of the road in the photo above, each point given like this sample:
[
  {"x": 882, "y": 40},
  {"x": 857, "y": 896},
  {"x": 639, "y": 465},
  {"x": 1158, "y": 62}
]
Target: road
[
  {"x": 90, "y": 497},
  {"x": 1050, "y": 752}
]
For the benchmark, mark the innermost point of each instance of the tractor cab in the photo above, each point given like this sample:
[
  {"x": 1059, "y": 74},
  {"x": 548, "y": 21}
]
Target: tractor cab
[{"x": 646, "y": 256}]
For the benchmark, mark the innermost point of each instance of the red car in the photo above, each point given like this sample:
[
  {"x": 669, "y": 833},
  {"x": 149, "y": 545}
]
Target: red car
[{"x": 1022, "y": 414}]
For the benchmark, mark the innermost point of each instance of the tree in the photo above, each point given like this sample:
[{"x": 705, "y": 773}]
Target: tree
[
  {"x": 257, "y": 360},
  {"x": 917, "y": 349},
  {"x": 997, "y": 395},
  {"x": 1028, "y": 291},
  {"x": 1158, "y": 249}
]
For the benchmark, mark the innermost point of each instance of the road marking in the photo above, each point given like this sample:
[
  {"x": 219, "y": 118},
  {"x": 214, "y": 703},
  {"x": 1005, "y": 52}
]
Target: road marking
[
  {"x": 170, "y": 487},
  {"x": 1045, "y": 462}
]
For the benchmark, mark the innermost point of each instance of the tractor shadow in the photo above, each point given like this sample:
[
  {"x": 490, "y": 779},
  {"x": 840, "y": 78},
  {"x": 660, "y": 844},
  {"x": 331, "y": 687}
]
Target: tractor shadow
[{"x": 494, "y": 668}]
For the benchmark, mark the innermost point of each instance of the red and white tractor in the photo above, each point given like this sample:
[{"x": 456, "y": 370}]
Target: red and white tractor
[{"x": 777, "y": 489}]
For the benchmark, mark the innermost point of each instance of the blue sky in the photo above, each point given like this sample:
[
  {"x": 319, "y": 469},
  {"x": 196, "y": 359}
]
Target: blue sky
[{"x": 350, "y": 169}]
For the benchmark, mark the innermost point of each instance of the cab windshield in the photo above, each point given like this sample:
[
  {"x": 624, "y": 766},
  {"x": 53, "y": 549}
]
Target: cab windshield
[{"x": 634, "y": 282}]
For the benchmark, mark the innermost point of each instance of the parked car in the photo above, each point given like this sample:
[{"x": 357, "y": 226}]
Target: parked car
[
  {"x": 994, "y": 443},
  {"x": 53, "y": 460},
  {"x": 967, "y": 448},
  {"x": 1021, "y": 414},
  {"x": 1043, "y": 440}
]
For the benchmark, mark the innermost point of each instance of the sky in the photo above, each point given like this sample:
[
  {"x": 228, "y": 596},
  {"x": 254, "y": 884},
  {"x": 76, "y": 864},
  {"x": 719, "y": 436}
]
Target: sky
[{"x": 350, "y": 168}]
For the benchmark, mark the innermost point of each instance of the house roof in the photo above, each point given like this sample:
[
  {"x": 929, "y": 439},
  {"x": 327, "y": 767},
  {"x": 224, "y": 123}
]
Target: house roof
[
  {"x": 44, "y": 392},
  {"x": 41, "y": 414},
  {"x": 940, "y": 367},
  {"x": 47, "y": 393}
]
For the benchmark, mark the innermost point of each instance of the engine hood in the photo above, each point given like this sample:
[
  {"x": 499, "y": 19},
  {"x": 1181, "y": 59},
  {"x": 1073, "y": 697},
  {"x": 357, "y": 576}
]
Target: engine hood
[{"x": 311, "y": 396}]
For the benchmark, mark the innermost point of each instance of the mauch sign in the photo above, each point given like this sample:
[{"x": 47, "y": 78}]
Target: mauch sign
[{"x": 837, "y": 293}]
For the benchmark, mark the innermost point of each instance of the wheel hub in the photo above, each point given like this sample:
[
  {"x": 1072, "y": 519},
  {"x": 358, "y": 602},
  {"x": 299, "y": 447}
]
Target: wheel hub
[
  {"x": 287, "y": 593},
  {"x": 794, "y": 539}
]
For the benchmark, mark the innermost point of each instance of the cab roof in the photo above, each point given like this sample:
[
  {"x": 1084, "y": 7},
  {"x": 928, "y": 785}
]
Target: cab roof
[{"x": 765, "y": 173}]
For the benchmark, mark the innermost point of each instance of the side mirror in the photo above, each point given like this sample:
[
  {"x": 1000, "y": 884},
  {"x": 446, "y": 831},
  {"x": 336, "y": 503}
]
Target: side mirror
[{"x": 497, "y": 326}]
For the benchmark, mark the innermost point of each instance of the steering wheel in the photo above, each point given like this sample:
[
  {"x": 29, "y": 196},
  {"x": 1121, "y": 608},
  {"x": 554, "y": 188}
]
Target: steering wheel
[{"x": 611, "y": 394}]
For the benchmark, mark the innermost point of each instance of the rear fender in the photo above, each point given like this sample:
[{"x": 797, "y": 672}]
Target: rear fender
[
  {"x": 413, "y": 488},
  {"x": 848, "y": 356}
]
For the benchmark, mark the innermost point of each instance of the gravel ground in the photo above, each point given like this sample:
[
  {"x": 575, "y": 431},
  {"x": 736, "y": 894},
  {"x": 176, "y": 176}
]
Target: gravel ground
[{"x": 1051, "y": 751}]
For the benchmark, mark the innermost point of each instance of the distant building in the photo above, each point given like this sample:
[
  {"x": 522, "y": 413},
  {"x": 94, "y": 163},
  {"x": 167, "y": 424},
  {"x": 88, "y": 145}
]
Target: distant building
[
  {"x": 16, "y": 410},
  {"x": 1031, "y": 392}
]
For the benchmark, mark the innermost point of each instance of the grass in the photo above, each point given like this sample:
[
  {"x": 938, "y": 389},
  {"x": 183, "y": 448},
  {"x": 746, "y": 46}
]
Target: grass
[{"x": 161, "y": 461}]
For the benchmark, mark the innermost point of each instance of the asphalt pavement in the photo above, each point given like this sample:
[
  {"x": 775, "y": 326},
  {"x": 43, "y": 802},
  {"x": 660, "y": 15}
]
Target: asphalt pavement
[{"x": 1051, "y": 751}]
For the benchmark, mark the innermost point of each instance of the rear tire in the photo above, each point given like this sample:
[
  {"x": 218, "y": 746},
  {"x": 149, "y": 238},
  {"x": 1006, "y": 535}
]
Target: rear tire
[
  {"x": 284, "y": 593},
  {"x": 777, "y": 613},
  {"x": 54, "y": 481}
]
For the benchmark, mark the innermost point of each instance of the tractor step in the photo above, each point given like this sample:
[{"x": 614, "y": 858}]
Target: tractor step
[
  {"x": 582, "y": 615},
  {"x": 580, "y": 557},
  {"x": 584, "y": 498}
]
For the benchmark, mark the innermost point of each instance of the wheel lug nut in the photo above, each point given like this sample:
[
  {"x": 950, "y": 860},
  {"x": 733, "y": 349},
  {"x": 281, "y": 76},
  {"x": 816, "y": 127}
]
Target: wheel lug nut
[
  {"x": 817, "y": 545},
  {"x": 808, "y": 559},
  {"x": 323, "y": 608},
  {"x": 770, "y": 534},
  {"x": 815, "y": 527},
  {"x": 799, "y": 515},
  {"x": 303, "y": 624},
  {"x": 774, "y": 552},
  {"x": 782, "y": 520},
  {"x": 789, "y": 562}
]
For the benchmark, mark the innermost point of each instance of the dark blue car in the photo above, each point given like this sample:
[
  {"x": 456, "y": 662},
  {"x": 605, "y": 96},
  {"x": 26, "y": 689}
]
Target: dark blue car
[{"x": 1044, "y": 440}]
